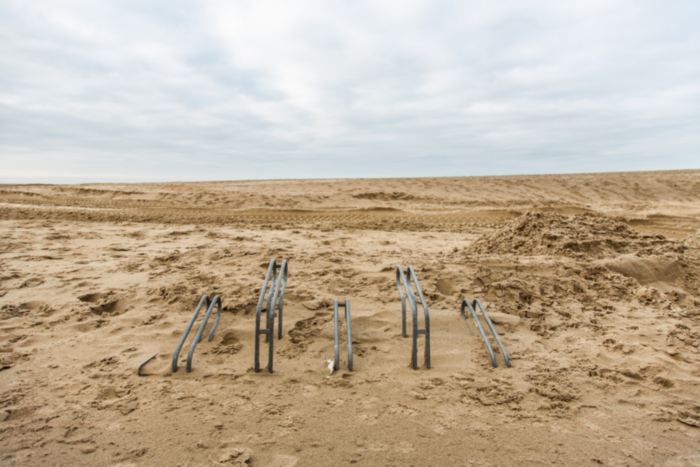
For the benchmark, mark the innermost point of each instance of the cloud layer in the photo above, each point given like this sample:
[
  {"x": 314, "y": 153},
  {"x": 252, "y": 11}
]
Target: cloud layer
[{"x": 178, "y": 90}]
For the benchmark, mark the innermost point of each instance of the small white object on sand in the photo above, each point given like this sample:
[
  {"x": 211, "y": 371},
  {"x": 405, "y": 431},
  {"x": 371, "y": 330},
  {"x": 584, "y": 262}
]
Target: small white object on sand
[{"x": 330, "y": 366}]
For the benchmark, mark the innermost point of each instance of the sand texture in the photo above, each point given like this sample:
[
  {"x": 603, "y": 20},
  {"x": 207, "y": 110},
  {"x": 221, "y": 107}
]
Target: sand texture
[{"x": 592, "y": 281}]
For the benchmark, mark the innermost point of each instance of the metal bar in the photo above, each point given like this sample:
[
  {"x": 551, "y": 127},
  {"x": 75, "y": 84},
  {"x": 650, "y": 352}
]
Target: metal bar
[
  {"x": 472, "y": 305},
  {"x": 198, "y": 337},
  {"x": 271, "y": 314},
  {"x": 258, "y": 311},
  {"x": 346, "y": 305},
  {"x": 216, "y": 321},
  {"x": 465, "y": 317},
  {"x": 493, "y": 331},
  {"x": 466, "y": 303},
  {"x": 336, "y": 360},
  {"x": 283, "y": 274},
  {"x": 144, "y": 364},
  {"x": 413, "y": 302},
  {"x": 273, "y": 279},
  {"x": 399, "y": 278},
  {"x": 176, "y": 354},
  {"x": 276, "y": 285},
  {"x": 347, "y": 320},
  {"x": 427, "y": 316}
]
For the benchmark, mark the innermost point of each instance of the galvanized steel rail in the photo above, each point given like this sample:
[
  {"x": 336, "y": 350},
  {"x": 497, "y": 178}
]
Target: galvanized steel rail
[
  {"x": 138, "y": 372},
  {"x": 401, "y": 279},
  {"x": 275, "y": 299},
  {"x": 466, "y": 303},
  {"x": 198, "y": 337},
  {"x": 345, "y": 305}
]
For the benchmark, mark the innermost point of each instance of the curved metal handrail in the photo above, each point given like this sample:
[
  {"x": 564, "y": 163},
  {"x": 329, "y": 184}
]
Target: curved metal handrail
[
  {"x": 176, "y": 354},
  {"x": 275, "y": 299},
  {"x": 271, "y": 272},
  {"x": 280, "y": 303},
  {"x": 336, "y": 365},
  {"x": 401, "y": 278},
  {"x": 138, "y": 372},
  {"x": 467, "y": 303},
  {"x": 471, "y": 305},
  {"x": 493, "y": 331},
  {"x": 198, "y": 337},
  {"x": 425, "y": 312}
]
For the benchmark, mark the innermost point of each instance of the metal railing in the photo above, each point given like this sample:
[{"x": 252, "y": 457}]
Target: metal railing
[
  {"x": 275, "y": 299},
  {"x": 345, "y": 305},
  {"x": 138, "y": 372},
  {"x": 466, "y": 303},
  {"x": 198, "y": 337},
  {"x": 401, "y": 279}
]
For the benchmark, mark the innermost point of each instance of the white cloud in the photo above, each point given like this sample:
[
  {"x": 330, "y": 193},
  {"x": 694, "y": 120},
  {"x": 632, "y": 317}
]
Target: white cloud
[{"x": 230, "y": 90}]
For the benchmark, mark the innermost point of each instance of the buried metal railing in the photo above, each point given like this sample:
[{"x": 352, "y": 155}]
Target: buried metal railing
[
  {"x": 275, "y": 299},
  {"x": 466, "y": 303},
  {"x": 198, "y": 337},
  {"x": 345, "y": 305},
  {"x": 401, "y": 278},
  {"x": 138, "y": 372}
]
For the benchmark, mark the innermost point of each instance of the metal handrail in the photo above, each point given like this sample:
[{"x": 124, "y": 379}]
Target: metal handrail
[
  {"x": 471, "y": 305},
  {"x": 275, "y": 299},
  {"x": 198, "y": 337},
  {"x": 346, "y": 305},
  {"x": 401, "y": 278},
  {"x": 138, "y": 372},
  {"x": 176, "y": 354}
]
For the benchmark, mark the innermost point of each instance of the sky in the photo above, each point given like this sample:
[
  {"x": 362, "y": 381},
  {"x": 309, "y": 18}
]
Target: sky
[{"x": 139, "y": 91}]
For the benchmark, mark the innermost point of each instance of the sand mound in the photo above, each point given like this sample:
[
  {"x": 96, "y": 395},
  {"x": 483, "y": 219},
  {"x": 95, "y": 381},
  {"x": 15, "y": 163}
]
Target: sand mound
[
  {"x": 588, "y": 235},
  {"x": 693, "y": 241},
  {"x": 385, "y": 196}
]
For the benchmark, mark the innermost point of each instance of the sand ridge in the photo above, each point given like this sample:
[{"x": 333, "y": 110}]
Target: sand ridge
[{"x": 591, "y": 280}]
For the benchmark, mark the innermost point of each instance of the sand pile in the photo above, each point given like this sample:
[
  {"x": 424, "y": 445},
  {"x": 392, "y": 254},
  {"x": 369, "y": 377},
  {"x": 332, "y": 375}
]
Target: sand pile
[
  {"x": 592, "y": 236},
  {"x": 693, "y": 241},
  {"x": 385, "y": 196}
]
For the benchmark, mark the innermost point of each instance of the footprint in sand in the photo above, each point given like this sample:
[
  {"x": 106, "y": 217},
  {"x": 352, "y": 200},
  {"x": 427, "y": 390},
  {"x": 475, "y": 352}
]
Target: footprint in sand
[{"x": 33, "y": 282}]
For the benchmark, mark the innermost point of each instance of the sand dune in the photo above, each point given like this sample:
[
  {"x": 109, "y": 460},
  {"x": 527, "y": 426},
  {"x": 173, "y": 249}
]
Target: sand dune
[{"x": 592, "y": 282}]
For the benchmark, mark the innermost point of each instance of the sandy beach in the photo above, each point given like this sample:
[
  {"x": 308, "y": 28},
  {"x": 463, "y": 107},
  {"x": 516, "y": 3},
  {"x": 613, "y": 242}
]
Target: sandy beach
[{"x": 592, "y": 282}]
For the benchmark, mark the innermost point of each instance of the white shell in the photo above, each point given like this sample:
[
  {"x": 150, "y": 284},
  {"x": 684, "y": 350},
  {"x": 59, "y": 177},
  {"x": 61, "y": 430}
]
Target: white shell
[{"x": 330, "y": 363}]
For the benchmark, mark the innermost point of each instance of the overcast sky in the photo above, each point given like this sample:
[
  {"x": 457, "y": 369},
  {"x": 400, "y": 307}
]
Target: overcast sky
[{"x": 179, "y": 90}]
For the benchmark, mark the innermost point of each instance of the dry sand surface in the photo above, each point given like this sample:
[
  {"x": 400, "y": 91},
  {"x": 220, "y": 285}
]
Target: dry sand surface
[{"x": 592, "y": 280}]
